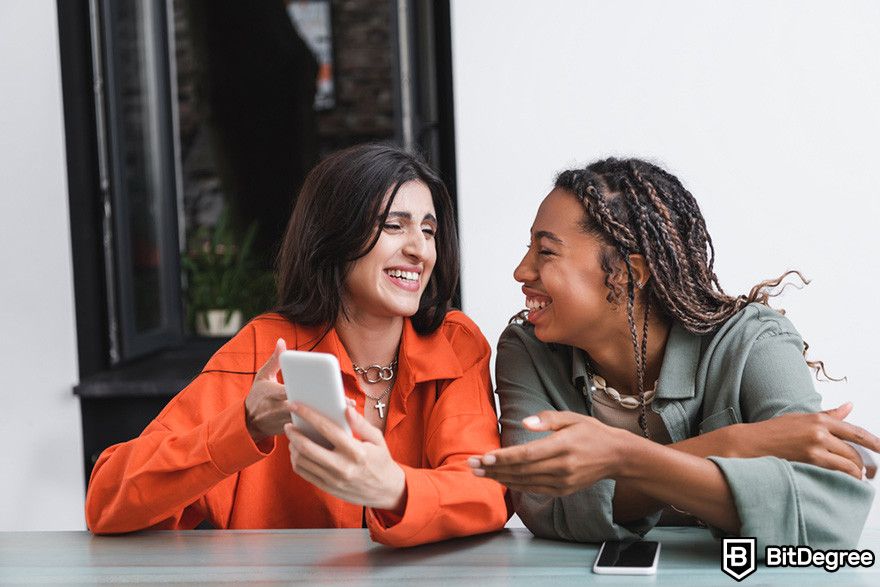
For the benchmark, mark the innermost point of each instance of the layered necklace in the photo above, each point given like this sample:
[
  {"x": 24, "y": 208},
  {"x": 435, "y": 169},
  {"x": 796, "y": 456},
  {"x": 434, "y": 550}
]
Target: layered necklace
[{"x": 375, "y": 374}]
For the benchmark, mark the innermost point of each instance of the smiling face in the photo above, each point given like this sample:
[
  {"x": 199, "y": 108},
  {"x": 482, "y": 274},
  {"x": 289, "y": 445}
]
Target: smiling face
[
  {"x": 562, "y": 276},
  {"x": 389, "y": 280}
]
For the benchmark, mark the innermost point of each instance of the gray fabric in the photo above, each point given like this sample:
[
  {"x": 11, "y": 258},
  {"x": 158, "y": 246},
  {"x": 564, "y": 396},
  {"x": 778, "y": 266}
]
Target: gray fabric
[{"x": 751, "y": 369}]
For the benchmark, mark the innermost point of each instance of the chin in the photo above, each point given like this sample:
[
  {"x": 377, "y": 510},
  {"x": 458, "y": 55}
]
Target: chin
[
  {"x": 403, "y": 310},
  {"x": 545, "y": 334}
]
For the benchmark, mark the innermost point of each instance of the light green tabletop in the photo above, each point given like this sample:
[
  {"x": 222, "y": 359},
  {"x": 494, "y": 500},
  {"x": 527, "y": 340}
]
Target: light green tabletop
[{"x": 689, "y": 556}]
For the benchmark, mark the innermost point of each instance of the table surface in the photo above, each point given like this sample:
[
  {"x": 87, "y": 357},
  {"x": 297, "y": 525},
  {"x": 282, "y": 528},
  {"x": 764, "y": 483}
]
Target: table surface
[{"x": 689, "y": 556}]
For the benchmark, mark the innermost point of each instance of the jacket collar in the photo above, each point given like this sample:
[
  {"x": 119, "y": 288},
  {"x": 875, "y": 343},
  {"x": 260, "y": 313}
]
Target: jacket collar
[
  {"x": 679, "y": 370},
  {"x": 680, "y": 360}
]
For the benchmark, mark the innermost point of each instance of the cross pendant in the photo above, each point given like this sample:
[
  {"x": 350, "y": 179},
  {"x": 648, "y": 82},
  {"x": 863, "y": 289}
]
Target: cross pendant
[{"x": 381, "y": 407}]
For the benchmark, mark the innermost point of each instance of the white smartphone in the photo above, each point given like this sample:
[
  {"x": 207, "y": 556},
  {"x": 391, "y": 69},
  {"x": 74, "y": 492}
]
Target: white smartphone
[
  {"x": 632, "y": 557},
  {"x": 314, "y": 379}
]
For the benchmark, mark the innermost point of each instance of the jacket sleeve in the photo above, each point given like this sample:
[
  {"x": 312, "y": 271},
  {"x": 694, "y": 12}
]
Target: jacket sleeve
[
  {"x": 445, "y": 499},
  {"x": 160, "y": 479},
  {"x": 781, "y": 502},
  {"x": 583, "y": 516}
]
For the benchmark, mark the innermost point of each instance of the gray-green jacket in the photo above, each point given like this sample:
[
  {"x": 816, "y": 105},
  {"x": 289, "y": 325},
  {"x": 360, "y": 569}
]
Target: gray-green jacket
[{"x": 751, "y": 369}]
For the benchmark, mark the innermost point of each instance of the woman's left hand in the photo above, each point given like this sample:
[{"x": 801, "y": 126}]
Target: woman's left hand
[
  {"x": 580, "y": 451},
  {"x": 359, "y": 470}
]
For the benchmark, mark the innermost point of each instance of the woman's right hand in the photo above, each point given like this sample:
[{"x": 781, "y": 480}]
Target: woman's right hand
[
  {"x": 266, "y": 407},
  {"x": 815, "y": 439}
]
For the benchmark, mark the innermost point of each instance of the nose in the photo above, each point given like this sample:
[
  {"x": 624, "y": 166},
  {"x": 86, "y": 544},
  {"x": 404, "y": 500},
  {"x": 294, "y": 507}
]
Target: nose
[
  {"x": 526, "y": 271},
  {"x": 416, "y": 245}
]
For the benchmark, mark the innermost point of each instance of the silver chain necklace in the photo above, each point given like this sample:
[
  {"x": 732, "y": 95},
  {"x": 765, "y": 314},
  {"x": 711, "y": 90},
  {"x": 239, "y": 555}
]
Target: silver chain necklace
[
  {"x": 375, "y": 374},
  {"x": 379, "y": 404}
]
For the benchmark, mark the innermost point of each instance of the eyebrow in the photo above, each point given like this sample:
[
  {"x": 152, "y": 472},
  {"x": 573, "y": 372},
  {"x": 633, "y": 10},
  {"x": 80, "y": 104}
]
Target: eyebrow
[
  {"x": 408, "y": 216},
  {"x": 549, "y": 236}
]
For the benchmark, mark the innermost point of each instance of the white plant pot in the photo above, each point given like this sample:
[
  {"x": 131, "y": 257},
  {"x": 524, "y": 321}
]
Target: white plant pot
[{"x": 214, "y": 323}]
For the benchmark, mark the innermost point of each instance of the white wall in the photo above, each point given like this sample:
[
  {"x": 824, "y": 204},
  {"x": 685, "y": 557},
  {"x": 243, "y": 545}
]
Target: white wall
[
  {"x": 767, "y": 110},
  {"x": 40, "y": 438}
]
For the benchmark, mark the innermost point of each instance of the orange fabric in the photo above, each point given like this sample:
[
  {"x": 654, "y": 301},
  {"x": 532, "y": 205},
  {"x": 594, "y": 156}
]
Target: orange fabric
[{"x": 196, "y": 460}]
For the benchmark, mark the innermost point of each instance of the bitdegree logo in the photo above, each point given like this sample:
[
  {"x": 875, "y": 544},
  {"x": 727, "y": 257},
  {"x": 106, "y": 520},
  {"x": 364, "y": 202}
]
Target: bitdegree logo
[
  {"x": 804, "y": 556},
  {"x": 738, "y": 557}
]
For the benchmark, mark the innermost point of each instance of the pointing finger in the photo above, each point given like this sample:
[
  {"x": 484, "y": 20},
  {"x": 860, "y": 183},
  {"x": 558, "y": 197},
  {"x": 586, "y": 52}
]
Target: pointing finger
[
  {"x": 841, "y": 411},
  {"x": 269, "y": 370},
  {"x": 551, "y": 420}
]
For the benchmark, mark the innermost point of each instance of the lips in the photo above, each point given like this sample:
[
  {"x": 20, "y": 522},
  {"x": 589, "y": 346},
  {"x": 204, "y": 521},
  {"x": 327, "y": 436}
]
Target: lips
[
  {"x": 537, "y": 303},
  {"x": 406, "y": 278}
]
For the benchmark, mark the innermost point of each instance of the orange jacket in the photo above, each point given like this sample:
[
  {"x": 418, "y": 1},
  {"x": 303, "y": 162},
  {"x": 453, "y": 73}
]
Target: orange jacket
[{"x": 196, "y": 460}]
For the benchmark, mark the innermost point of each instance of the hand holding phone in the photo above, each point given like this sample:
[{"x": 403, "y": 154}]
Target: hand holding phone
[
  {"x": 633, "y": 557},
  {"x": 314, "y": 379}
]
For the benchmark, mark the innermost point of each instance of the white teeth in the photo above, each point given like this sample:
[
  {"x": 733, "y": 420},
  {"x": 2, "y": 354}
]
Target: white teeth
[
  {"x": 534, "y": 304},
  {"x": 407, "y": 275}
]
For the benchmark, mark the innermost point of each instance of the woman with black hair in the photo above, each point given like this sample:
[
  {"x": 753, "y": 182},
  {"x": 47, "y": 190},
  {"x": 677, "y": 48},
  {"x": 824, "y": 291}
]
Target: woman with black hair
[
  {"x": 636, "y": 384},
  {"x": 366, "y": 272}
]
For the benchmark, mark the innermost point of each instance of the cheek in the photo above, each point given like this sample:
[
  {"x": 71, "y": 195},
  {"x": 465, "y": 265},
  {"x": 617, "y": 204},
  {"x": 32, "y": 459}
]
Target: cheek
[{"x": 431, "y": 257}]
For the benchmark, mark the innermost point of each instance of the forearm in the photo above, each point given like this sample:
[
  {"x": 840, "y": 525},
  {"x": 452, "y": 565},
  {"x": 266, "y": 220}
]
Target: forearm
[
  {"x": 631, "y": 504},
  {"x": 128, "y": 493},
  {"x": 441, "y": 503},
  {"x": 149, "y": 482},
  {"x": 670, "y": 476}
]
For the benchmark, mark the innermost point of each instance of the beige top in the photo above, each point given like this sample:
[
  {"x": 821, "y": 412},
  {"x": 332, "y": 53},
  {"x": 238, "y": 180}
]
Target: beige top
[{"x": 622, "y": 411}]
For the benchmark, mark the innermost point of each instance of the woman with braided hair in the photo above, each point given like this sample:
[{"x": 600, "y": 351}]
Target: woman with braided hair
[{"x": 634, "y": 386}]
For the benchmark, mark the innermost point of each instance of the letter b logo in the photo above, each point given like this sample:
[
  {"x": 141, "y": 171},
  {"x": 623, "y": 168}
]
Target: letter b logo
[{"x": 738, "y": 557}]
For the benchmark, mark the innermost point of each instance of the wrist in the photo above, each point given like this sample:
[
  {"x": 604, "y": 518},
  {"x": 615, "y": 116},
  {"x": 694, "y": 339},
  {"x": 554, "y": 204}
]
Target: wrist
[
  {"x": 632, "y": 453},
  {"x": 728, "y": 446},
  {"x": 397, "y": 493},
  {"x": 251, "y": 426}
]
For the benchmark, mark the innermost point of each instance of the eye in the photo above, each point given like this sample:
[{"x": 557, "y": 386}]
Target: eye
[
  {"x": 545, "y": 252},
  {"x": 391, "y": 226},
  {"x": 429, "y": 231}
]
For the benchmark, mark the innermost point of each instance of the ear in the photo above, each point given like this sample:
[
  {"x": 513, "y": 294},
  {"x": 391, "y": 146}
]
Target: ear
[{"x": 640, "y": 272}]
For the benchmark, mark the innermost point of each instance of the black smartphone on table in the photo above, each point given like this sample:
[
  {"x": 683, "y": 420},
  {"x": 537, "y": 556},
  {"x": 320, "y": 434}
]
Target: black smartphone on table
[{"x": 632, "y": 557}]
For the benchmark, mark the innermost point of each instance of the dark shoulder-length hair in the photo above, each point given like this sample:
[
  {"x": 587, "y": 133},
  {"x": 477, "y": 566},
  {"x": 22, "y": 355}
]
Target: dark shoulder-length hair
[{"x": 336, "y": 220}]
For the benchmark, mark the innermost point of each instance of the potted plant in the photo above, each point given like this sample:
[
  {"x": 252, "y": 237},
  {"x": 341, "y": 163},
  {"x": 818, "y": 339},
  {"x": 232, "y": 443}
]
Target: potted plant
[{"x": 224, "y": 283}]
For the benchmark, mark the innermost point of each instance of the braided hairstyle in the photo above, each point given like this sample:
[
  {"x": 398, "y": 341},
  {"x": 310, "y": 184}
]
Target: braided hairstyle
[{"x": 635, "y": 207}]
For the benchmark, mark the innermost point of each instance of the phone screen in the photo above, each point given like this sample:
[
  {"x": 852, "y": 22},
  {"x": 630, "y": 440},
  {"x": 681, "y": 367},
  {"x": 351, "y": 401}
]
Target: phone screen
[{"x": 633, "y": 554}]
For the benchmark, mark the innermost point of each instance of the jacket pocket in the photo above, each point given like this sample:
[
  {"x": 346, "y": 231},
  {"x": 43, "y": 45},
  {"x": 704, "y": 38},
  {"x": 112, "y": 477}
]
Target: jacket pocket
[{"x": 725, "y": 417}]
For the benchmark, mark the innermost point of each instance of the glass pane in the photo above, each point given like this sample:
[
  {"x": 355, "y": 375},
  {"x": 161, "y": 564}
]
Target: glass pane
[{"x": 135, "y": 67}]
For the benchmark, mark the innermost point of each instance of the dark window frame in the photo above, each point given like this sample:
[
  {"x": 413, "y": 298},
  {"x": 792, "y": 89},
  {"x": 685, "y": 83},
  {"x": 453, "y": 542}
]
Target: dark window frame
[{"x": 169, "y": 331}]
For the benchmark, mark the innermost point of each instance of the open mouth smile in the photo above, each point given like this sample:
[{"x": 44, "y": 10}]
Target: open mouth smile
[
  {"x": 537, "y": 306},
  {"x": 408, "y": 280}
]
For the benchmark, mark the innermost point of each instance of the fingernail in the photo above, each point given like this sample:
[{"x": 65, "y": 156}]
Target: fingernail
[
  {"x": 474, "y": 462},
  {"x": 479, "y": 472},
  {"x": 294, "y": 406},
  {"x": 532, "y": 421},
  {"x": 489, "y": 459},
  {"x": 350, "y": 402}
]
